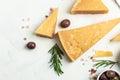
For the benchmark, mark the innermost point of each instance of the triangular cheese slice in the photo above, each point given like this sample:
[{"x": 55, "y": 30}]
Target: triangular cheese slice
[
  {"x": 116, "y": 38},
  {"x": 47, "y": 28},
  {"x": 101, "y": 53},
  {"x": 89, "y": 7},
  {"x": 77, "y": 41}
]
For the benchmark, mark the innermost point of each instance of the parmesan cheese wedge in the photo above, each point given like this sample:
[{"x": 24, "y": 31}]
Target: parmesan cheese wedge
[
  {"x": 89, "y": 7},
  {"x": 116, "y": 38},
  {"x": 47, "y": 28},
  {"x": 76, "y": 42},
  {"x": 101, "y": 53}
]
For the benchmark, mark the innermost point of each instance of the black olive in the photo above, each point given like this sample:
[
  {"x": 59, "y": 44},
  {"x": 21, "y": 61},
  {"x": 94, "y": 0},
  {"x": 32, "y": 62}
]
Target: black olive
[
  {"x": 31, "y": 45},
  {"x": 110, "y": 74},
  {"x": 103, "y": 77},
  {"x": 65, "y": 23}
]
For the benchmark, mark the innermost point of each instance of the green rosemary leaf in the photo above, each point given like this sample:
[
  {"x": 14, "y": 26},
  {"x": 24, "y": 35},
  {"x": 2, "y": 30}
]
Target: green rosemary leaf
[
  {"x": 60, "y": 53},
  {"x": 51, "y": 50},
  {"x": 59, "y": 62},
  {"x": 55, "y": 61},
  {"x": 52, "y": 58},
  {"x": 111, "y": 65}
]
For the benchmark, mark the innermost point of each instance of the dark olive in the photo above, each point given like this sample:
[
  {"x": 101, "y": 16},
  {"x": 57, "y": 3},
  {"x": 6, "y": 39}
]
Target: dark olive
[
  {"x": 31, "y": 45},
  {"x": 110, "y": 74},
  {"x": 65, "y": 23},
  {"x": 103, "y": 77}
]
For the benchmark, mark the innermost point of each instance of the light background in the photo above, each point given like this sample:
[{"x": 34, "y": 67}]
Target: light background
[{"x": 19, "y": 63}]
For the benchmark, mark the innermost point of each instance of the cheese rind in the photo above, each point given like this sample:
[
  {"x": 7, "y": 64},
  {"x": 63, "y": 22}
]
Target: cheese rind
[
  {"x": 47, "y": 28},
  {"x": 89, "y": 7},
  {"x": 101, "y": 53},
  {"x": 77, "y": 41},
  {"x": 116, "y": 38}
]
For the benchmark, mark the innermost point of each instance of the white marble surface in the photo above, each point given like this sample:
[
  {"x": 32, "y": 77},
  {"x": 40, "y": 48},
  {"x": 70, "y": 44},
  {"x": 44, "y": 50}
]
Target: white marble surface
[{"x": 19, "y": 63}]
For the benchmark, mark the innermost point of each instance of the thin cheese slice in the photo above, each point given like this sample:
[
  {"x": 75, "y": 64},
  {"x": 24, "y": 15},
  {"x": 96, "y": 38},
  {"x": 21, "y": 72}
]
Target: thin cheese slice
[
  {"x": 101, "y": 53},
  {"x": 89, "y": 7},
  {"x": 116, "y": 38},
  {"x": 77, "y": 41},
  {"x": 47, "y": 28}
]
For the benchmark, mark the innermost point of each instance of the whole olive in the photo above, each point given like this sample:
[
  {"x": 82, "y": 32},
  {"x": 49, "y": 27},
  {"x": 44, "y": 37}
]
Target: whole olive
[
  {"x": 65, "y": 23},
  {"x": 31, "y": 45},
  {"x": 110, "y": 74},
  {"x": 103, "y": 77}
]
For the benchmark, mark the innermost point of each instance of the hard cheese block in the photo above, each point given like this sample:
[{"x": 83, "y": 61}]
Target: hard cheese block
[
  {"x": 47, "y": 28},
  {"x": 77, "y": 41},
  {"x": 116, "y": 38},
  {"x": 101, "y": 53},
  {"x": 89, "y": 7}
]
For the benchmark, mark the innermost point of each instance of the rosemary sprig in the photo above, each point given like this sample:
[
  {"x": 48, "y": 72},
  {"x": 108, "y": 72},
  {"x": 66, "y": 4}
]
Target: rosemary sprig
[
  {"x": 104, "y": 63},
  {"x": 56, "y": 56}
]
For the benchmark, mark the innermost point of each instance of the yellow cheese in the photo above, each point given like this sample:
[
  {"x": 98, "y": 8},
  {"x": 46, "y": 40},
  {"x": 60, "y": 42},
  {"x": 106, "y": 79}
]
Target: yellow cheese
[
  {"x": 100, "y": 53},
  {"x": 47, "y": 28},
  {"x": 89, "y": 7},
  {"x": 77, "y": 41},
  {"x": 116, "y": 38}
]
